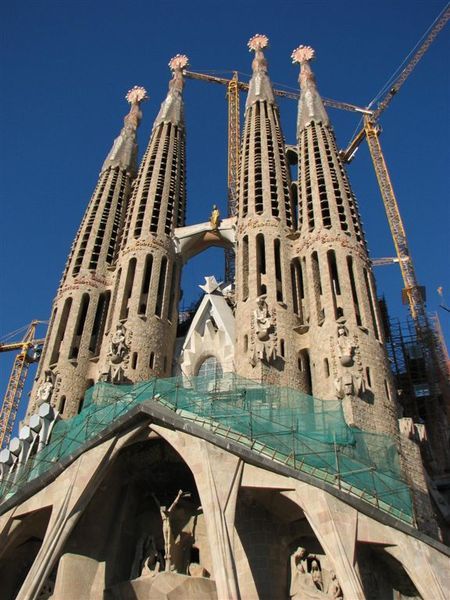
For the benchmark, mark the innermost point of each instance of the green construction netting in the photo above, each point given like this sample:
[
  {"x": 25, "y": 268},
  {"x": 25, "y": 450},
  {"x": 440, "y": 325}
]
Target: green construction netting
[{"x": 282, "y": 424}]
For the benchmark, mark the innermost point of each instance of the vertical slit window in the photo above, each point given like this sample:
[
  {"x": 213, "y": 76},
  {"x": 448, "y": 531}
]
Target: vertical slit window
[
  {"x": 334, "y": 282},
  {"x": 354, "y": 292},
  {"x": 143, "y": 298},
  {"x": 79, "y": 328},
  {"x": 371, "y": 304},
  {"x": 128, "y": 289},
  {"x": 294, "y": 283},
  {"x": 173, "y": 292},
  {"x": 151, "y": 360},
  {"x": 317, "y": 283},
  {"x": 304, "y": 366},
  {"x": 98, "y": 327},
  {"x": 260, "y": 263},
  {"x": 161, "y": 286},
  {"x": 114, "y": 298},
  {"x": 245, "y": 268},
  {"x": 61, "y": 330},
  {"x": 278, "y": 273},
  {"x": 134, "y": 358}
]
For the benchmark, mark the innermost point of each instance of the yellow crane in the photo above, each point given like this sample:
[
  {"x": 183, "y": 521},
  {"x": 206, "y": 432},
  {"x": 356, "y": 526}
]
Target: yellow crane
[
  {"x": 29, "y": 352},
  {"x": 371, "y": 131}
]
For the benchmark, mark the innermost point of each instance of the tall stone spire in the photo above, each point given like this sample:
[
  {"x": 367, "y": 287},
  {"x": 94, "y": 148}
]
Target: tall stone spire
[
  {"x": 78, "y": 321},
  {"x": 341, "y": 347},
  {"x": 310, "y": 107},
  {"x": 123, "y": 154},
  {"x": 265, "y": 220},
  {"x": 146, "y": 287},
  {"x": 260, "y": 87}
]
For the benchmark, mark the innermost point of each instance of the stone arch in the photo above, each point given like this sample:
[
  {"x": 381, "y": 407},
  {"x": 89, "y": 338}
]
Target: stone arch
[
  {"x": 20, "y": 549},
  {"x": 114, "y": 539}
]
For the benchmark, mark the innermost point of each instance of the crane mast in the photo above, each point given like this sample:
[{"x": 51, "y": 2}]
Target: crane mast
[
  {"x": 234, "y": 137},
  {"x": 17, "y": 379}
]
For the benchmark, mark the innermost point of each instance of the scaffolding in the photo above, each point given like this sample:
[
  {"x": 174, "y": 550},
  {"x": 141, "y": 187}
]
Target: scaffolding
[{"x": 281, "y": 424}]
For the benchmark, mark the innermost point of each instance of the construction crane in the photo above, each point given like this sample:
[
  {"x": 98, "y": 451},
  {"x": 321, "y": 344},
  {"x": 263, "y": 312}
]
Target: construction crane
[
  {"x": 29, "y": 352},
  {"x": 234, "y": 86}
]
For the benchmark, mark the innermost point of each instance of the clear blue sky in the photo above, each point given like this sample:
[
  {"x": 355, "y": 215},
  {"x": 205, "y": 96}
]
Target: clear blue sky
[{"x": 67, "y": 65}]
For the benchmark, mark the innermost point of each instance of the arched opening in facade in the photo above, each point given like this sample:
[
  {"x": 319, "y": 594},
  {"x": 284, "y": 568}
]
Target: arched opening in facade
[
  {"x": 20, "y": 549},
  {"x": 145, "y": 518}
]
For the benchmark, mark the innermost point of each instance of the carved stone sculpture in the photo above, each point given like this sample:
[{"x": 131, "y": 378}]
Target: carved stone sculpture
[
  {"x": 345, "y": 347},
  {"x": 309, "y": 581},
  {"x": 167, "y": 527},
  {"x": 265, "y": 347},
  {"x": 45, "y": 390},
  {"x": 118, "y": 348}
]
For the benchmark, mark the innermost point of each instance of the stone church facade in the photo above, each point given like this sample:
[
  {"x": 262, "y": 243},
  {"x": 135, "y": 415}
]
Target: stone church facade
[{"x": 173, "y": 494}]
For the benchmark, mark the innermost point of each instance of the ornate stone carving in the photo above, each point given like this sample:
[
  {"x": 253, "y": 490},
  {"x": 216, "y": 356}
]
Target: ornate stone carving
[
  {"x": 345, "y": 347},
  {"x": 264, "y": 338},
  {"x": 167, "y": 527},
  {"x": 45, "y": 390},
  {"x": 118, "y": 348},
  {"x": 309, "y": 581}
]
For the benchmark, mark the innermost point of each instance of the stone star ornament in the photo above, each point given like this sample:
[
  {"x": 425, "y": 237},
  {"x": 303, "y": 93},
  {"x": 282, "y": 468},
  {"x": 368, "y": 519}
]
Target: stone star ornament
[
  {"x": 179, "y": 61},
  {"x": 303, "y": 54},
  {"x": 258, "y": 42},
  {"x": 136, "y": 94}
]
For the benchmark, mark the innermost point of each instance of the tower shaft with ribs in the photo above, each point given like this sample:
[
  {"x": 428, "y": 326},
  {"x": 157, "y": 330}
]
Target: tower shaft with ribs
[
  {"x": 145, "y": 294},
  {"x": 340, "y": 343},
  {"x": 68, "y": 365},
  {"x": 265, "y": 221}
]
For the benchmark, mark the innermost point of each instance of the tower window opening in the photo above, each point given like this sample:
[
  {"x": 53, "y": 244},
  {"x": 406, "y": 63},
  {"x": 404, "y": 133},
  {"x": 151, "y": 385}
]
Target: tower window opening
[
  {"x": 143, "y": 299},
  {"x": 161, "y": 287},
  {"x": 295, "y": 294},
  {"x": 98, "y": 327},
  {"x": 153, "y": 150},
  {"x": 89, "y": 222},
  {"x": 116, "y": 223},
  {"x": 62, "y": 405},
  {"x": 326, "y": 367},
  {"x": 386, "y": 389},
  {"x": 125, "y": 309},
  {"x": 157, "y": 202},
  {"x": 245, "y": 343},
  {"x": 151, "y": 361},
  {"x": 259, "y": 205},
  {"x": 278, "y": 272},
  {"x": 260, "y": 263},
  {"x": 368, "y": 379},
  {"x": 282, "y": 348},
  {"x": 134, "y": 358},
  {"x": 79, "y": 328},
  {"x": 371, "y": 304},
  {"x": 61, "y": 330},
  {"x": 114, "y": 300},
  {"x": 334, "y": 281},
  {"x": 173, "y": 292},
  {"x": 304, "y": 366},
  {"x": 317, "y": 283},
  {"x": 244, "y": 268},
  {"x": 354, "y": 291}
]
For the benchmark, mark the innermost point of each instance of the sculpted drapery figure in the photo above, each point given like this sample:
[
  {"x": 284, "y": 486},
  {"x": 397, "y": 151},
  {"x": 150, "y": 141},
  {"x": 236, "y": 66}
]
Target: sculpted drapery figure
[
  {"x": 265, "y": 336},
  {"x": 309, "y": 581}
]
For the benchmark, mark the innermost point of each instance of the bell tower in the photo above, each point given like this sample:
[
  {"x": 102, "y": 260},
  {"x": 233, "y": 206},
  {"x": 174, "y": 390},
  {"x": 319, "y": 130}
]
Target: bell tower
[
  {"x": 68, "y": 365},
  {"x": 265, "y": 222},
  {"x": 144, "y": 310},
  {"x": 341, "y": 348}
]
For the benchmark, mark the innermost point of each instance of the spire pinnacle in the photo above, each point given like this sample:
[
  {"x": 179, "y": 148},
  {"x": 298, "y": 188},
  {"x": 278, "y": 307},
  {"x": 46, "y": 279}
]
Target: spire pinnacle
[
  {"x": 260, "y": 87},
  {"x": 172, "y": 108},
  {"x": 124, "y": 151},
  {"x": 310, "y": 106}
]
